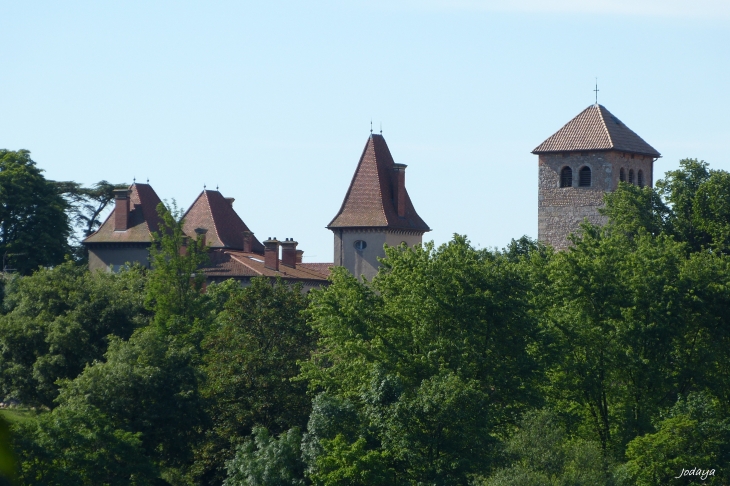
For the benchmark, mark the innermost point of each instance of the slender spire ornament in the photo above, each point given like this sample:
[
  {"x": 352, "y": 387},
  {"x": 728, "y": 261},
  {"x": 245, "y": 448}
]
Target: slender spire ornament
[{"x": 596, "y": 90}]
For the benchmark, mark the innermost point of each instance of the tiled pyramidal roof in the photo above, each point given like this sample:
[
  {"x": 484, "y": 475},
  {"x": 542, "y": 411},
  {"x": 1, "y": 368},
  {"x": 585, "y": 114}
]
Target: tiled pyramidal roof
[
  {"x": 215, "y": 213},
  {"x": 143, "y": 219},
  {"x": 595, "y": 128},
  {"x": 369, "y": 200}
]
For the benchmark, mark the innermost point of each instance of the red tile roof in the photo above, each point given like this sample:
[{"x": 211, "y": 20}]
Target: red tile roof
[
  {"x": 595, "y": 128},
  {"x": 216, "y": 214},
  {"x": 226, "y": 263},
  {"x": 143, "y": 219},
  {"x": 323, "y": 268},
  {"x": 369, "y": 200}
]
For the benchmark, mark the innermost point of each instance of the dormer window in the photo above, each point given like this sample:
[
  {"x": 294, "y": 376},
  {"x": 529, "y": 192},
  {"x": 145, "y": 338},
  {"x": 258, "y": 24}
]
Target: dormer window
[
  {"x": 584, "y": 177},
  {"x": 566, "y": 177}
]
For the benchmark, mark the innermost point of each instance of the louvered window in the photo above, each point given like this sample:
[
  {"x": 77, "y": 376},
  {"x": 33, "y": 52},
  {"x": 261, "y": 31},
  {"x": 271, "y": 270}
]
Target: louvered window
[
  {"x": 631, "y": 176},
  {"x": 566, "y": 177},
  {"x": 584, "y": 179},
  {"x": 622, "y": 175},
  {"x": 640, "y": 178}
]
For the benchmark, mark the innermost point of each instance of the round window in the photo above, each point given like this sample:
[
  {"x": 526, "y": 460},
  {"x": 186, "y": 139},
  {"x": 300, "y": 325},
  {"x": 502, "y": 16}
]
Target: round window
[{"x": 360, "y": 245}]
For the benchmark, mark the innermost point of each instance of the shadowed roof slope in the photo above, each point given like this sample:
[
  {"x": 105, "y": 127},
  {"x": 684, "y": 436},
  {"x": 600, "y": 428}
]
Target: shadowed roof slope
[
  {"x": 216, "y": 214},
  {"x": 143, "y": 219},
  {"x": 369, "y": 200},
  {"x": 595, "y": 128}
]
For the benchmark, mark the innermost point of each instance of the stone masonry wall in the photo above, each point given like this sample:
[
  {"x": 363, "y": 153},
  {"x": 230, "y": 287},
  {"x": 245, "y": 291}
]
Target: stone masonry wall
[{"x": 562, "y": 209}]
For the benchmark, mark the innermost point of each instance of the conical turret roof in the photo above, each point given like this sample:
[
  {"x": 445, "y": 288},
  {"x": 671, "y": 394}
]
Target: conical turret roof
[
  {"x": 369, "y": 202},
  {"x": 595, "y": 128}
]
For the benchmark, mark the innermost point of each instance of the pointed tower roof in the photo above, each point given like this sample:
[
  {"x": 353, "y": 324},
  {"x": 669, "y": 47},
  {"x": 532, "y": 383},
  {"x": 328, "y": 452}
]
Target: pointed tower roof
[
  {"x": 143, "y": 219},
  {"x": 595, "y": 128},
  {"x": 369, "y": 201},
  {"x": 215, "y": 213}
]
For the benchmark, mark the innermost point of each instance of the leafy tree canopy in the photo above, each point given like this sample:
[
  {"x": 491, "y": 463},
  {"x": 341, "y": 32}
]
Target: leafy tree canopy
[{"x": 34, "y": 226}]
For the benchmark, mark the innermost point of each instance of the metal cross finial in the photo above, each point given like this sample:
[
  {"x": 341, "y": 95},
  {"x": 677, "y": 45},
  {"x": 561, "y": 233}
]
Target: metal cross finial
[
  {"x": 596, "y": 90},
  {"x": 148, "y": 180},
  {"x": 204, "y": 186},
  {"x": 216, "y": 187},
  {"x": 134, "y": 180},
  {"x": 381, "y": 128},
  {"x": 371, "y": 125}
]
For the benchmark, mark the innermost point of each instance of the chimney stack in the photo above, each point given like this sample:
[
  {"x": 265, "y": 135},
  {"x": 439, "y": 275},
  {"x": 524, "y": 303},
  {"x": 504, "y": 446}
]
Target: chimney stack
[
  {"x": 121, "y": 209},
  {"x": 271, "y": 254},
  {"x": 289, "y": 253},
  {"x": 247, "y": 241},
  {"x": 399, "y": 191},
  {"x": 230, "y": 200},
  {"x": 300, "y": 255},
  {"x": 201, "y": 235}
]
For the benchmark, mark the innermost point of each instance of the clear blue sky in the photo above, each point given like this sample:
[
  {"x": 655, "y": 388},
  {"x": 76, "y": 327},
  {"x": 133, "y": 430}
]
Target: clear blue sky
[{"x": 272, "y": 101}]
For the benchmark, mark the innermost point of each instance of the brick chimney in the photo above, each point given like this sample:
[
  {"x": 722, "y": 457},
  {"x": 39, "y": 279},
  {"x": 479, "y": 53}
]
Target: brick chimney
[
  {"x": 271, "y": 254},
  {"x": 300, "y": 255},
  {"x": 201, "y": 235},
  {"x": 121, "y": 209},
  {"x": 248, "y": 241},
  {"x": 399, "y": 189},
  {"x": 289, "y": 253}
]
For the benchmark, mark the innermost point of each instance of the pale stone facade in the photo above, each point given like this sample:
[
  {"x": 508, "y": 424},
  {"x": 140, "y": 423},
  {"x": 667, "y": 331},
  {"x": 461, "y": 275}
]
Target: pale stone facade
[{"x": 364, "y": 261}]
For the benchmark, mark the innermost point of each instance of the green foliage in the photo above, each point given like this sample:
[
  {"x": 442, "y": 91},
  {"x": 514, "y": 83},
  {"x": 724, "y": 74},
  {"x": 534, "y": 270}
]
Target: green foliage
[
  {"x": 80, "y": 447},
  {"x": 636, "y": 321},
  {"x": 433, "y": 359},
  {"x": 34, "y": 227},
  {"x": 694, "y": 434},
  {"x": 7, "y": 456},
  {"x": 250, "y": 357},
  {"x": 542, "y": 454},
  {"x": 146, "y": 386},
  {"x": 57, "y": 321},
  {"x": 263, "y": 460},
  {"x": 175, "y": 286}
]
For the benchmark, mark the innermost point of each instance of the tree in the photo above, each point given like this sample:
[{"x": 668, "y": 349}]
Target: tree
[
  {"x": 80, "y": 446},
  {"x": 58, "y": 321},
  {"x": 250, "y": 357},
  {"x": 433, "y": 359},
  {"x": 540, "y": 453},
  {"x": 695, "y": 434},
  {"x": 263, "y": 460},
  {"x": 175, "y": 287},
  {"x": 34, "y": 226}
]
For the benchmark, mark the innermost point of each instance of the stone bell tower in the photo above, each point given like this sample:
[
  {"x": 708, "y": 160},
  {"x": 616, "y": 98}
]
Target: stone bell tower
[
  {"x": 582, "y": 161},
  {"x": 376, "y": 211}
]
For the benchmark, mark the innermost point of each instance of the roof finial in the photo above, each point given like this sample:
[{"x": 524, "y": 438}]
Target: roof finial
[
  {"x": 216, "y": 187},
  {"x": 371, "y": 125},
  {"x": 381, "y": 128},
  {"x": 204, "y": 186},
  {"x": 148, "y": 180},
  {"x": 596, "y": 90}
]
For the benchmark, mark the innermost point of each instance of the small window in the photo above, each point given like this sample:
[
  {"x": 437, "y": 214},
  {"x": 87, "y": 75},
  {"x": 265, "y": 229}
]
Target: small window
[
  {"x": 360, "y": 245},
  {"x": 631, "y": 176},
  {"x": 584, "y": 179},
  {"x": 640, "y": 178},
  {"x": 566, "y": 177},
  {"x": 622, "y": 175}
]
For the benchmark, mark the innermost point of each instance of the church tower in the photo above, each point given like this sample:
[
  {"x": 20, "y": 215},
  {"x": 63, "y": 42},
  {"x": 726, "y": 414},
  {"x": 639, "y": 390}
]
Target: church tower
[
  {"x": 376, "y": 211},
  {"x": 579, "y": 163}
]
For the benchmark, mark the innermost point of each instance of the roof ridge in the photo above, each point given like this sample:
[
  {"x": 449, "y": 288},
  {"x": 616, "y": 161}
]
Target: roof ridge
[
  {"x": 605, "y": 126},
  {"x": 210, "y": 211}
]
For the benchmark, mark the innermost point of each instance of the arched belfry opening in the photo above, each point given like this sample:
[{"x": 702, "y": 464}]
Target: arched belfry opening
[
  {"x": 566, "y": 177},
  {"x": 584, "y": 177}
]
